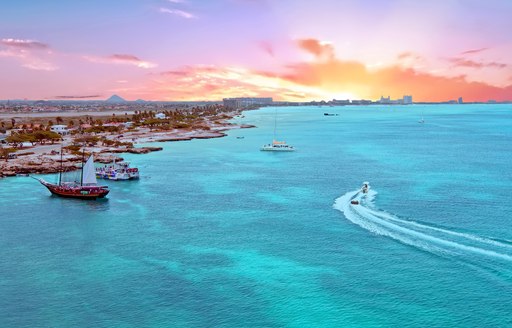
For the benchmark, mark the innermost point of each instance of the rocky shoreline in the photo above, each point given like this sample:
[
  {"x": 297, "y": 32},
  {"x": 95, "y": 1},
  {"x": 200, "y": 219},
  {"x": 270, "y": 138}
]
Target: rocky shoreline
[{"x": 34, "y": 161}]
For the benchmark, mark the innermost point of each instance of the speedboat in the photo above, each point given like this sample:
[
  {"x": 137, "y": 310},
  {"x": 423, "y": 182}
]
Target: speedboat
[
  {"x": 354, "y": 202},
  {"x": 365, "y": 188}
]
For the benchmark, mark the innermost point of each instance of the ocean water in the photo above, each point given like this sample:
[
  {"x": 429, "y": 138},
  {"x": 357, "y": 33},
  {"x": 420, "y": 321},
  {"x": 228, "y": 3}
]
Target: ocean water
[{"x": 219, "y": 234}]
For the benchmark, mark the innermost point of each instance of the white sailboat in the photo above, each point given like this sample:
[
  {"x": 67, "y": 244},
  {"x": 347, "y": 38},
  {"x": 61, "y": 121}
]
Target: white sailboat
[
  {"x": 277, "y": 145},
  {"x": 422, "y": 120}
]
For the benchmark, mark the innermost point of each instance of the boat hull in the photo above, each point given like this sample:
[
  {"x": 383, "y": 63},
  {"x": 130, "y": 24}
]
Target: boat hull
[
  {"x": 277, "y": 149},
  {"x": 78, "y": 192}
]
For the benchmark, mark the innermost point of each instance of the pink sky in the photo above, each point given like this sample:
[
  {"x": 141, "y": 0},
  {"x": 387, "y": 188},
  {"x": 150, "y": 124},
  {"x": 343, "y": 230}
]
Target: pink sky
[{"x": 287, "y": 49}]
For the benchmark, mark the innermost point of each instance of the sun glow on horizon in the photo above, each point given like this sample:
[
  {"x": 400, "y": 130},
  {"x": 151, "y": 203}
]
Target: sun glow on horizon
[{"x": 288, "y": 57}]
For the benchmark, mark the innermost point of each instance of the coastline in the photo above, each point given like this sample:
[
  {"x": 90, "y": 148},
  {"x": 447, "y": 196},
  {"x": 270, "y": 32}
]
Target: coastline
[{"x": 46, "y": 158}]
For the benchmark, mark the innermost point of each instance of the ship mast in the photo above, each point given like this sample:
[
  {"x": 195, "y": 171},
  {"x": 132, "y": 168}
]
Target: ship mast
[
  {"x": 82, "y": 171},
  {"x": 60, "y": 172},
  {"x": 275, "y": 124}
]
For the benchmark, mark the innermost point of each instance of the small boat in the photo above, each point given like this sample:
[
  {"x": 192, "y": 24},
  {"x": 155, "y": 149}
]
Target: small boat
[
  {"x": 354, "y": 202},
  {"x": 87, "y": 188},
  {"x": 117, "y": 171},
  {"x": 422, "y": 120},
  {"x": 329, "y": 114},
  {"x": 365, "y": 188},
  {"x": 240, "y": 137}
]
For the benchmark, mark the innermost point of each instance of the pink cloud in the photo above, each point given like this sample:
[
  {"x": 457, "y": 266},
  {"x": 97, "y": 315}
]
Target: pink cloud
[
  {"x": 24, "y": 44},
  {"x": 123, "y": 59},
  {"x": 318, "y": 48},
  {"x": 473, "y": 51},
  {"x": 461, "y": 62},
  {"x": 31, "y": 54}
]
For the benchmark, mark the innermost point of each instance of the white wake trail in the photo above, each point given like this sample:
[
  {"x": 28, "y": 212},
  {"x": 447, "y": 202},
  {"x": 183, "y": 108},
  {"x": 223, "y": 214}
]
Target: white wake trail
[{"x": 429, "y": 238}]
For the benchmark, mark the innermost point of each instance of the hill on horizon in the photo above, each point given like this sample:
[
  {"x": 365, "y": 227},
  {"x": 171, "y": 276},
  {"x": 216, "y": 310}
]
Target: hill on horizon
[{"x": 115, "y": 99}]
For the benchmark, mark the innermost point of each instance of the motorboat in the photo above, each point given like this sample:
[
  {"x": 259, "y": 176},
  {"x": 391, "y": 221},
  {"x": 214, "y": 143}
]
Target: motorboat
[
  {"x": 117, "y": 171},
  {"x": 366, "y": 187}
]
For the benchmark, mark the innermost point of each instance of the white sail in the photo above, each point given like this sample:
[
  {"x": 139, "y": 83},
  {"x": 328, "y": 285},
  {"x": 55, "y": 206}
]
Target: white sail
[{"x": 89, "y": 173}]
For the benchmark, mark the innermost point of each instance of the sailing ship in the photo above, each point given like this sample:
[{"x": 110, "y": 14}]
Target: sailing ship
[
  {"x": 87, "y": 188},
  {"x": 117, "y": 171},
  {"x": 277, "y": 145}
]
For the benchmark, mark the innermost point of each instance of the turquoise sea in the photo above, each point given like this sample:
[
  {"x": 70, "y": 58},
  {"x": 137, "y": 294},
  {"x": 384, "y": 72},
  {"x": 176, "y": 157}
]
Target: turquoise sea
[{"x": 219, "y": 234}]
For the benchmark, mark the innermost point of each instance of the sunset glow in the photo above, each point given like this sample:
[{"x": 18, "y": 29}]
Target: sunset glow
[{"x": 292, "y": 50}]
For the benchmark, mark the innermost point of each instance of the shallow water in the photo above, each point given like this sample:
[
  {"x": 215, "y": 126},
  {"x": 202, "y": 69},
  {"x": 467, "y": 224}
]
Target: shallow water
[{"x": 217, "y": 233}]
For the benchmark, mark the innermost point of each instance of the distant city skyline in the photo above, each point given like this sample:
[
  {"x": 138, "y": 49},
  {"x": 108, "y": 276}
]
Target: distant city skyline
[{"x": 290, "y": 50}]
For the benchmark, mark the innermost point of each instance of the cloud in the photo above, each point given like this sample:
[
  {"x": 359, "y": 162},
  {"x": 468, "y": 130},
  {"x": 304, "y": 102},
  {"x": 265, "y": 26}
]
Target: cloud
[
  {"x": 31, "y": 54},
  {"x": 24, "y": 44},
  {"x": 122, "y": 59},
  {"x": 338, "y": 75},
  {"x": 177, "y": 12},
  {"x": 473, "y": 51},
  {"x": 39, "y": 65},
  {"x": 322, "y": 77},
  {"x": 320, "y": 49},
  {"x": 176, "y": 1},
  {"x": 461, "y": 62},
  {"x": 409, "y": 56},
  {"x": 213, "y": 83}
]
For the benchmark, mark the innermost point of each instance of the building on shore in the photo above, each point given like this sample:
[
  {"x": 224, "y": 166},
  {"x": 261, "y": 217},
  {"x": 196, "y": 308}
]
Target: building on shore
[
  {"x": 236, "y": 103},
  {"x": 60, "y": 129},
  {"x": 361, "y": 102},
  {"x": 407, "y": 100}
]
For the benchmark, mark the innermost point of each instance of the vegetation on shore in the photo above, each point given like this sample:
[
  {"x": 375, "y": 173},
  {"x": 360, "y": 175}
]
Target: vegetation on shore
[{"x": 113, "y": 133}]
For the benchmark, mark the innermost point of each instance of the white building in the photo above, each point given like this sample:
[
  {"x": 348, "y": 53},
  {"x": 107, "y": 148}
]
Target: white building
[
  {"x": 160, "y": 116},
  {"x": 60, "y": 129},
  {"x": 407, "y": 100}
]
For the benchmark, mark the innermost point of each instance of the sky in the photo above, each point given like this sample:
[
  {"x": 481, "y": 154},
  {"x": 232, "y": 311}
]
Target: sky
[{"x": 291, "y": 50}]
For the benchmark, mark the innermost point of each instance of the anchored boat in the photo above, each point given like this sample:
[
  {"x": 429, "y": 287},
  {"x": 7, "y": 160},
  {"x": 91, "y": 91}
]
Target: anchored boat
[
  {"x": 277, "y": 145},
  {"x": 117, "y": 171},
  {"x": 87, "y": 188}
]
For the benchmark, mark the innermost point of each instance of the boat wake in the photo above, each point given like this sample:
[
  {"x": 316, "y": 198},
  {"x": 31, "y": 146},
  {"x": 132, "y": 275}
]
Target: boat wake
[{"x": 440, "y": 241}]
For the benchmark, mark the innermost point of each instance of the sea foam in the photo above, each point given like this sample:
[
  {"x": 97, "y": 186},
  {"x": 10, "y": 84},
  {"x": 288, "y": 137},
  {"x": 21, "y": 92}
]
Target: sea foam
[{"x": 441, "y": 241}]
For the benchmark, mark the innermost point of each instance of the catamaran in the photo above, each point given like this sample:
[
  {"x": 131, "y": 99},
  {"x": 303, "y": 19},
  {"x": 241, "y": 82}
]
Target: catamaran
[
  {"x": 277, "y": 145},
  {"x": 87, "y": 188}
]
